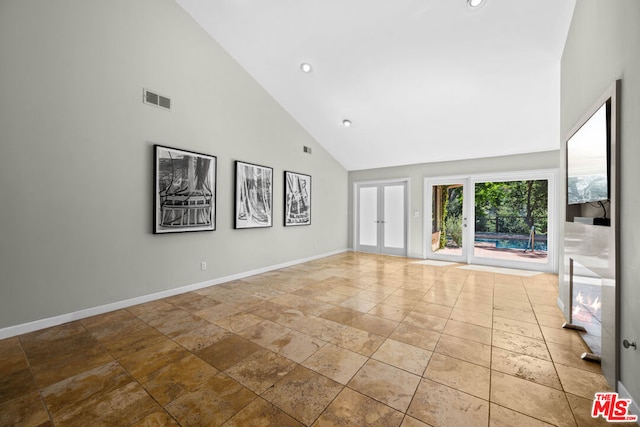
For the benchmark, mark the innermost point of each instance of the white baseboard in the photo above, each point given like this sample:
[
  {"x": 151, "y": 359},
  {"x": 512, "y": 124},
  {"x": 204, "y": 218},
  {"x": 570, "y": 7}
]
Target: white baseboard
[
  {"x": 560, "y": 304},
  {"x": 36, "y": 325},
  {"x": 623, "y": 393}
]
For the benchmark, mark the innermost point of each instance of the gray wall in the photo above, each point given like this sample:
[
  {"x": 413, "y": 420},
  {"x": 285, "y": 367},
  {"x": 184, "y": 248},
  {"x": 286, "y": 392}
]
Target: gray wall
[
  {"x": 76, "y": 156},
  {"x": 604, "y": 45},
  {"x": 418, "y": 172}
]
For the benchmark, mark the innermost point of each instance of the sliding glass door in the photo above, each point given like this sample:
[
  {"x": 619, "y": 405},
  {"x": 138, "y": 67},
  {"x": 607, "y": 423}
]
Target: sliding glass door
[{"x": 505, "y": 220}]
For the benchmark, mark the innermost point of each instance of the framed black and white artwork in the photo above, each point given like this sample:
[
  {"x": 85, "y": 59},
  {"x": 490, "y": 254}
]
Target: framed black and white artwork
[
  {"x": 185, "y": 191},
  {"x": 253, "y": 196},
  {"x": 297, "y": 199}
]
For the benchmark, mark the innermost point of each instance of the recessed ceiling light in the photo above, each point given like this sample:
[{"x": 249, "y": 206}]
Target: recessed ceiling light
[
  {"x": 474, "y": 3},
  {"x": 347, "y": 123},
  {"x": 305, "y": 67}
]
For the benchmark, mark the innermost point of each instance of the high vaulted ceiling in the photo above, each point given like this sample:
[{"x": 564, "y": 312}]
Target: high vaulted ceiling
[{"x": 421, "y": 80}]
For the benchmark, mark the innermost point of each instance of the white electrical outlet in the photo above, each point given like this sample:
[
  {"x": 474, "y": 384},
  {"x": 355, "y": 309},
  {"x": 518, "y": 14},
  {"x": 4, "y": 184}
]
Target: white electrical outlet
[{"x": 203, "y": 265}]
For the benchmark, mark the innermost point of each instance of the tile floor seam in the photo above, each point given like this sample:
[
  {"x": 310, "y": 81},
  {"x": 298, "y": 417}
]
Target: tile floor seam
[
  {"x": 155, "y": 400},
  {"x": 564, "y": 393},
  {"x": 521, "y": 413},
  {"x": 40, "y": 389},
  {"x": 379, "y": 401},
  {"x": 462, "y": 360},
  {"x": 258, "y": 396},
  {"x": 134, "y": 378},
  {"x": 555, "y": 369},
  {"x": 493, "y": 298}
]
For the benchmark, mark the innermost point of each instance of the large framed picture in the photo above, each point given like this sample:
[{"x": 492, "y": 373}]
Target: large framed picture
[
  {"x": 253, "y": 196},
  {"x": 185, "y": 191},
  {"x": 297, "y": 199}
]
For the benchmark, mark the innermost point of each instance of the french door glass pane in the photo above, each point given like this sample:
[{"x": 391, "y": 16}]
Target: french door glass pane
[
  {"x": 447, "y": 219},
  {"x": 394, "y": 216},
  {"x": 511, "y": 220},
  {"x": 368, "y": 216}
]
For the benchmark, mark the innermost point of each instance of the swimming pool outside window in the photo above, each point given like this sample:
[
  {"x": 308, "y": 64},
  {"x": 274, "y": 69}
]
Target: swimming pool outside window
[{"x": 511, "y": 220}]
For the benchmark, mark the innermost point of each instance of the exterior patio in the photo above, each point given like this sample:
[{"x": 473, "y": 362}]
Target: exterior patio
[{"x": 489, "y": 249}]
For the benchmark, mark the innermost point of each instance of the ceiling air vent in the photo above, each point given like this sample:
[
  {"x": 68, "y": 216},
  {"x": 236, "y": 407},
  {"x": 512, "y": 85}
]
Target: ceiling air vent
[
  {"x": 156, "y": 100},
  {"x": 306, "y": 149}
]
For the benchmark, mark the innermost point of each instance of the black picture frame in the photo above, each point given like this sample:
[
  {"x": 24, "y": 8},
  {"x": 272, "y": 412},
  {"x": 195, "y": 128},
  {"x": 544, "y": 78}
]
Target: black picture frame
[
  {"x": 253, "y": 195},
  {"x": 297, "y": 199},
  {"x": 184, "y": 190}
]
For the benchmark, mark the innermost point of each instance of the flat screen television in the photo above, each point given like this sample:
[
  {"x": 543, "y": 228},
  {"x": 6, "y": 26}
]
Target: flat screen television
[{"x": 588, "y": 153}]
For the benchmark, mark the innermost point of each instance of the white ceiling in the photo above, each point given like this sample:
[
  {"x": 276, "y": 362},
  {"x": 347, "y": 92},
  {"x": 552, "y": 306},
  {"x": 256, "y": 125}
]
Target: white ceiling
[{"x": 421, "y": 80}]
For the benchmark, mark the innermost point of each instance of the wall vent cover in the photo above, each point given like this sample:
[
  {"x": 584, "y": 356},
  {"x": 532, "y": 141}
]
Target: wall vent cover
[
  {"x": 155, "y": 99},
  {"x": 306, "y": 149}
]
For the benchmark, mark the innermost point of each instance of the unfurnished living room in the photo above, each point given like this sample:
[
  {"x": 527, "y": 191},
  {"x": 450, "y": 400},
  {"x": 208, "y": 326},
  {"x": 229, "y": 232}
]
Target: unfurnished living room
[{"x": 359, "y": 213}]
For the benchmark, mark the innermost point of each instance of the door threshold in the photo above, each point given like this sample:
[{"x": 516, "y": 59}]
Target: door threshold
[{"x": 500, "y": 270}]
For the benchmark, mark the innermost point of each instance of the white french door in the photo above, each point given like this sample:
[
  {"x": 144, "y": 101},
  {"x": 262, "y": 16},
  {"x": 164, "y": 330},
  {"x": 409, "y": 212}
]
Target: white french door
[
  {"x": 447, "y": 234},
  {"x": 381, "y": 218}
]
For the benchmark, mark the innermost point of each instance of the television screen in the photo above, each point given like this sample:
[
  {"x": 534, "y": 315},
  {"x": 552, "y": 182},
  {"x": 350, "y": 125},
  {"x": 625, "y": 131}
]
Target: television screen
[{"x": 588, "y": 160}]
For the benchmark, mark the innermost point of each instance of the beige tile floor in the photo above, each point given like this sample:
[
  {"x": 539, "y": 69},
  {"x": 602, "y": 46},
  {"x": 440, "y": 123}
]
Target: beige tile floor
[{"x": 352, "y": 339}]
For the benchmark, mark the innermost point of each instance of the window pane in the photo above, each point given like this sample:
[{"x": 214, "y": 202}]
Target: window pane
[
  {"x": 394, "y": 216},
  {"x": 368, "y": 212},
  {"x": 511, "y": 220},
  {"x": 447, "y": 231}
]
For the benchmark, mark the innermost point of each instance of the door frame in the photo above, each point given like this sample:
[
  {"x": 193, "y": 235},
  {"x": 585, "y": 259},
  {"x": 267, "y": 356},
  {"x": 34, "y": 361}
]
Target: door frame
[{"x": 356, "y": 211}]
